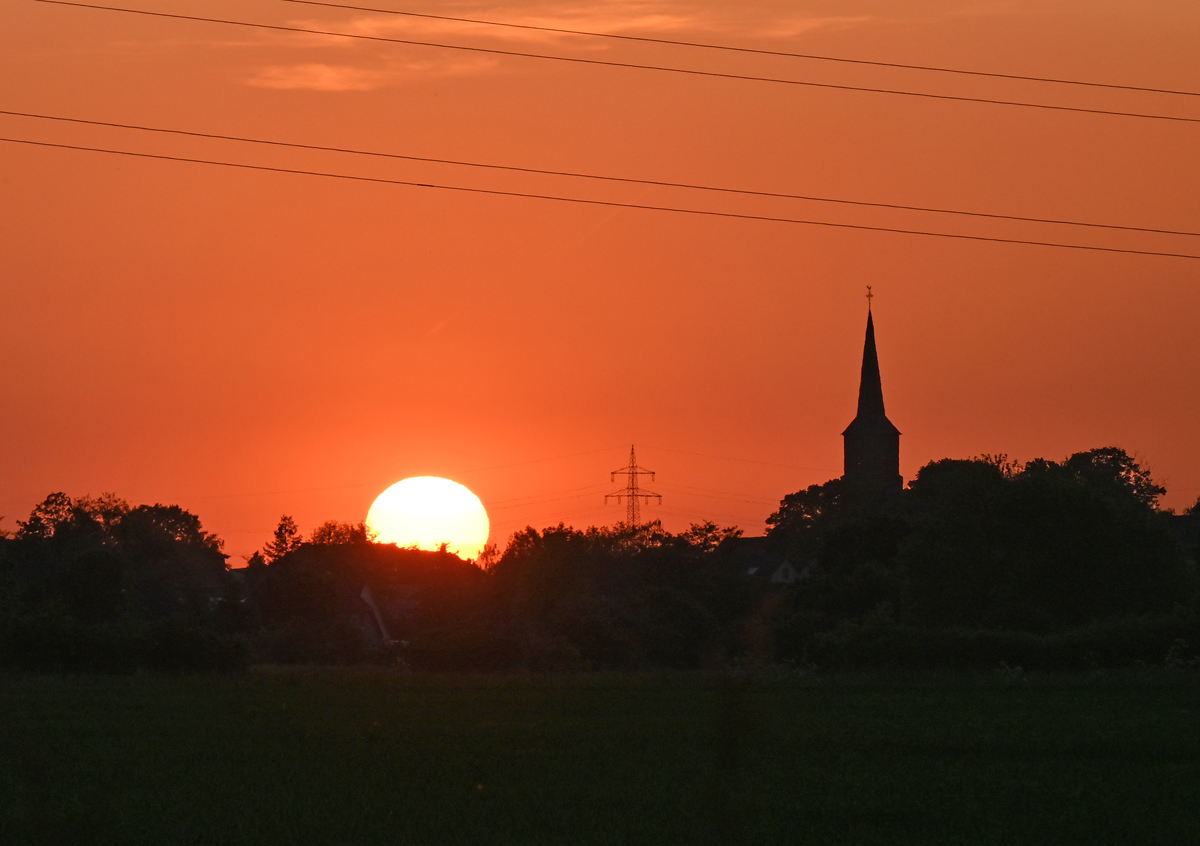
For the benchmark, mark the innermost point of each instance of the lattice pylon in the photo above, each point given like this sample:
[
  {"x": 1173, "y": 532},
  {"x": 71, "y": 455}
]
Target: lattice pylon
[{"x": 634, "y": 493}]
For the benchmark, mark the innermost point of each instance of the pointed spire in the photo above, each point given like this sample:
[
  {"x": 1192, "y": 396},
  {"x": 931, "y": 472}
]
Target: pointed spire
[
  {"x": 870, "y": 386},
  {"x": 871, "y": 416},
  {"x": 872, "y": 443}
]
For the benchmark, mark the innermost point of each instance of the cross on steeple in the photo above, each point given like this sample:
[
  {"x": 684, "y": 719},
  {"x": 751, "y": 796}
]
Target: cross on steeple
[{"x": 869, "y": 297}]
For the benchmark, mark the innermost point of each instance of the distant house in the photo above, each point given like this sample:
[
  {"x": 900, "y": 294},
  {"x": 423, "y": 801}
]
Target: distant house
[
  {"x": 384, "y": 592},
  {"x": 786, "y": 574},
  {"x": 756, "y": 559}
]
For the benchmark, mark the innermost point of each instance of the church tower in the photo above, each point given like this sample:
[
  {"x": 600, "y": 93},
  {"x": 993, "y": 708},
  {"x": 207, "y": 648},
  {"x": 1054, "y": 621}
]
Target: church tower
[{"x": 872, "y": 443}]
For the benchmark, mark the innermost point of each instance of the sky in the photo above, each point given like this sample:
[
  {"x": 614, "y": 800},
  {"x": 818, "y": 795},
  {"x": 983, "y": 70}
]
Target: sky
[{"x": 248, "y": 344}]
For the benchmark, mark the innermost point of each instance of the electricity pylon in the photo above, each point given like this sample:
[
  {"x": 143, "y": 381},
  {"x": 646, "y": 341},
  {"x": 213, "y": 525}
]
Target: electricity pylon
[{"x": 633, "y": 493}]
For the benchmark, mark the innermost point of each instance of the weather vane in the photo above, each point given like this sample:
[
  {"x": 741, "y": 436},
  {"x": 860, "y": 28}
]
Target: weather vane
[{"x": 869, "y": 297}]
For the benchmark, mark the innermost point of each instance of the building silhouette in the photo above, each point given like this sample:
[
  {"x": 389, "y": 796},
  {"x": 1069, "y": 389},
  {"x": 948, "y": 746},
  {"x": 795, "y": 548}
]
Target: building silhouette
[{"x": 871, "y": 442}]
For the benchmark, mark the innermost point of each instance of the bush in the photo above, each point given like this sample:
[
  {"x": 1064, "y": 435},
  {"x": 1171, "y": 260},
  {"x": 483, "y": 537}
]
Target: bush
[
  {"x": 877, "y": 641},
  {"x": 49, "y": 640}
]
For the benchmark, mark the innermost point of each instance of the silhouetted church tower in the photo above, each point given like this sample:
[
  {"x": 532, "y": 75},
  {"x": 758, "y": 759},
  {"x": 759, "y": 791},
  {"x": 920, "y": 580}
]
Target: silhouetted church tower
[{"x": 872, "y": 443}]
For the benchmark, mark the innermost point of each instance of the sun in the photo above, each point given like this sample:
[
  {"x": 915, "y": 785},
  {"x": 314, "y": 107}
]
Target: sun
[{"x": 427, "y": 511}]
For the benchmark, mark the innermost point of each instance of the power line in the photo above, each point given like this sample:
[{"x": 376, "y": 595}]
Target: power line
[
  {"x": 724, "y": 499},
  {"x": 384, "y": 484},
  {"x": 477, "y": 469},
  {"x": 501, "y": 509},
  {"x": 724, "y": 496},
  {"x": 595, "y": 511},
  {"x": 533, "y": 502},
  {"x": 745, "y": 460},
  {"x": 629, "y": 65},
  {"x": 606, "y": 203},
  {"x": 693, "y": 515},
  {"x": 536, "y": 498},
  {"x": 598, "y": 177},
  {"x": 751, "y": 50}
]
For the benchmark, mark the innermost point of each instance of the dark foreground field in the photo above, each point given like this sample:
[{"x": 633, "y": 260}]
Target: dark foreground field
[{"x": 343, "y": 757}]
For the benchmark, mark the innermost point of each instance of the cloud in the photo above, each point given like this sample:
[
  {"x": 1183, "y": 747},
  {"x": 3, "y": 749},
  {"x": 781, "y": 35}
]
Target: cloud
[
  {"x": 326, "y": 77},
  {"x": 794, "y": 27},
  {"x": 663, "y": 18},
  {"x": 622, "y": 17},
  {"x": 318, "y": 77},
  {"x": 396, "y": 26},
  {"x": 999, "y": 8},
  {"x": 618, "y": 17}
]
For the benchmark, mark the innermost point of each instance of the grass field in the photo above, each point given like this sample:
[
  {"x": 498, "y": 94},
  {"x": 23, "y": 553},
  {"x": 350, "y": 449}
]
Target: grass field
[{"x": 365, "y": 757}]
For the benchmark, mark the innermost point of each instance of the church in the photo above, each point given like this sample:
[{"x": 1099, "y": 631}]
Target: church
[
  {"x": 871, "y": 472},
  {"x": 871, "y": 443}
]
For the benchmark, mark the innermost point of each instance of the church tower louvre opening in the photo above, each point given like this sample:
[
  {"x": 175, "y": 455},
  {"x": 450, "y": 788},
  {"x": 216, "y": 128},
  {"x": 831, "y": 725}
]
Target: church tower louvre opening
[{"x": 871, "y": 442}]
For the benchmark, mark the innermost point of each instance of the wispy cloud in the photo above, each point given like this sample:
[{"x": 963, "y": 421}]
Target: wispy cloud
[
  {"x": 998, "y": 8},
  {"x": 617, "y": 17},
  {"x": 587, "y": 20},
  {"x": 795, "y": 27},
  {"x": 625, "y": 17},
  {"x": 328, "y": 77},
  {"x": 318, "y": 77}
]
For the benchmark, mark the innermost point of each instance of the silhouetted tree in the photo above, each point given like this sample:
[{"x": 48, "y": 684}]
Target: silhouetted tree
[
  {"x": 1113, "y": 470},
  {"x": 488, "y": 557},
  {"x": 334, "y": 532},
  {"x": 48, "y": 516},
  {"x": 707, "y": 536},
  {"x": 177, "y": 567},
  {"x": 801, "y": 514},
  {"x": 89, "y": 583},
  {"x": 287, "y": 538},
  {"x": 58, "y": 515},
  {"x": 1046, "y": 547},
  {"x": 154, "y": 529},
  {"x": 618, "y": 597}
]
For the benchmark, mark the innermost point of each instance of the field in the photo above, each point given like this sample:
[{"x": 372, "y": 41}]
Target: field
[{"x": 371, "y": 756}]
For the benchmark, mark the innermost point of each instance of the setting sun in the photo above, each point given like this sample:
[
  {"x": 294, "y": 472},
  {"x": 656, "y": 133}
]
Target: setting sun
[{"x": 427, "y": 511}]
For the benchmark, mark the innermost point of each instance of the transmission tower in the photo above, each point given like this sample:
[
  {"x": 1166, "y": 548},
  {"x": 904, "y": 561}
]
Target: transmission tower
[{"x": 633, "y": 493}]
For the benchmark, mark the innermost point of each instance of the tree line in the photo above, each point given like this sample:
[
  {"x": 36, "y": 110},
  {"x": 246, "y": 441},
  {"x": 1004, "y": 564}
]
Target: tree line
[{"x": 1068, "y": 564}]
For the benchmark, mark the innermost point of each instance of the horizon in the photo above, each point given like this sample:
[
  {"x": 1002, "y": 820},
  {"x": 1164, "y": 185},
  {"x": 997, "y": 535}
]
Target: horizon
[{"x": 248, "y": 344}]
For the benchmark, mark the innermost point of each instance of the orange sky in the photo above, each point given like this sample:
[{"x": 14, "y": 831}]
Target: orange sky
[{"x": 249, "y": 344}]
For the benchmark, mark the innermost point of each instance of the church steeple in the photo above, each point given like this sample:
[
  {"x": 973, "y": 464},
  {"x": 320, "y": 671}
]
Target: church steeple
[
  {"x": 872, "y": 443},
  {"x": 870, "y": 386}
]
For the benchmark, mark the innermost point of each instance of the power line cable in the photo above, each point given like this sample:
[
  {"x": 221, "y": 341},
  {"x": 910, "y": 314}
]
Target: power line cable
[
  {"x": 721, "y": 498},
  {"x": 708, "y": 493},
  {"x": 535, "y": 498},
  {"x": 606, "y": 203},
  {"x": 743, "y": 460},
  {"x": 380, "y": 485},
  {"x": 476, "y": 469},
  {"x": 598, "y": 177},
  {"x": 750, "y": 50},
  {"x": 499, "y": 508},
  {"x": 557, "y": 516},
  {"x": 629, "y": 65},
  {"x": 696, "y": 515}
]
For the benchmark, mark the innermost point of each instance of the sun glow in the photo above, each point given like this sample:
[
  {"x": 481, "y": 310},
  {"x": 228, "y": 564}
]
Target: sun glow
[{"x": 426, "y": 511}]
